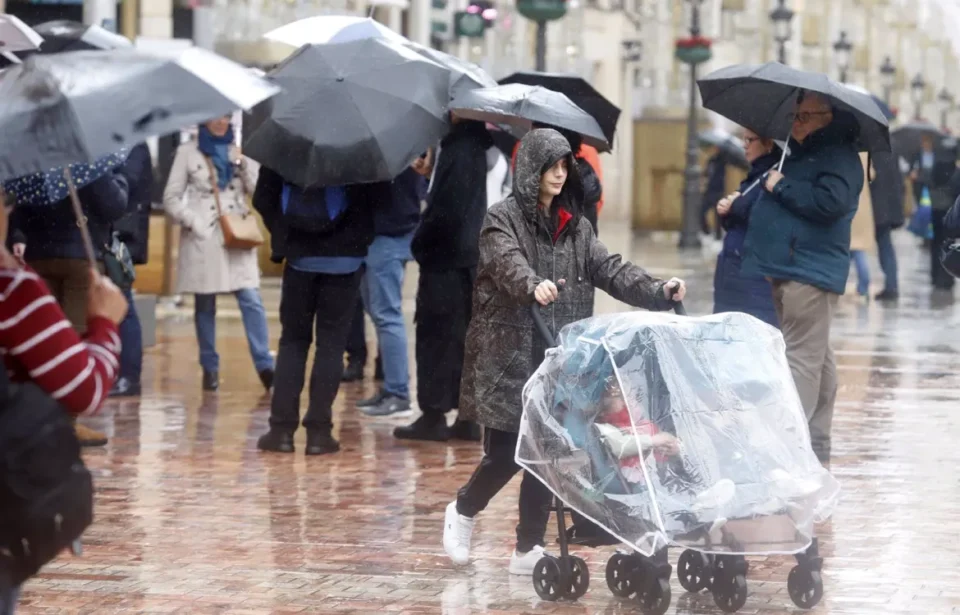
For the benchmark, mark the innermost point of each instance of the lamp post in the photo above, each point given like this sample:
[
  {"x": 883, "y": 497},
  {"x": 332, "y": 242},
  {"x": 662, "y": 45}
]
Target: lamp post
[
  {"x": 692, "y": 51},
  {"x": 843, "y": 49},
  {"x": 917, "y": 88},
  {"x": 781, "y": 18},
  {"x": 946, "y": 103},
  {"x": 888, "y": 75}
]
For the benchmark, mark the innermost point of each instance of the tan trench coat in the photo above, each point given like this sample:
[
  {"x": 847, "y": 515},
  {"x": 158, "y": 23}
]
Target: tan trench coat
[
  {"x": 205, "y": 265},
  {"x": 863, "y": 232}
]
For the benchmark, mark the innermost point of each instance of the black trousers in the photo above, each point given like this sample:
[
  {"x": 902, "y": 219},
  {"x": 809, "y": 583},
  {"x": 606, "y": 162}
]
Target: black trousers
[
  {"x": 357, "y": 339},
  {"x": 494, "y": 472},
  {"x": 311, "y": 302},
  {"x": 938, "y": 275},
  {"x": 442, "y": 317}
]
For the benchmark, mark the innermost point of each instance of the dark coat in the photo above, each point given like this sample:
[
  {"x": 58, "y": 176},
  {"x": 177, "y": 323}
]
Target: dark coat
[
  {"x": 517, "y": 252},
  {"x": 134, "y": 228},
  {"x": 734, "y": 291},
  {"x": 886, "y": 192},
  {"x": 801, "y": 231},
  {"x": 951, "y": 222},
  {"x": 936, "y": 179},
  {"x": 51, "y": 231}
]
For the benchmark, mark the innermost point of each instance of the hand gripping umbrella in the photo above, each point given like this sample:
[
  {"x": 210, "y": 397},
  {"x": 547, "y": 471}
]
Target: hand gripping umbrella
[{"x": 60, "y": 109}]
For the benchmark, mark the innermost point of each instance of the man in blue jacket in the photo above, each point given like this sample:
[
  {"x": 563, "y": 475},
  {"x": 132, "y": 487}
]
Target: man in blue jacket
[{"x": 799, "y": 239}]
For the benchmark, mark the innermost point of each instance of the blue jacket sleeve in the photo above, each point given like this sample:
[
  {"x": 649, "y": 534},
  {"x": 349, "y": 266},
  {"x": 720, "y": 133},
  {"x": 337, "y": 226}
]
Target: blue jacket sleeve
[{"x": 833, "y": 194}]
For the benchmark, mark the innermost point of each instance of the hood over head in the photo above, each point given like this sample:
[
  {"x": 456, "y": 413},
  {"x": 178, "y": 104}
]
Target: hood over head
[{"x": 539, "y": 150}]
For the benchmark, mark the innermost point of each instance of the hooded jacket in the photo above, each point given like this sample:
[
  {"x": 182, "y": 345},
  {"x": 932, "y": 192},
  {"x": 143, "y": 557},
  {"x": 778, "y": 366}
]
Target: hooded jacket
[
  {"x": 801, "y": 231},
  {"x": 517, "y": 252}
]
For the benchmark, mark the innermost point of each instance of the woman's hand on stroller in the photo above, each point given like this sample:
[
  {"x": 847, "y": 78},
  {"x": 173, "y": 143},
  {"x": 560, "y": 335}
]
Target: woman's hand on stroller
[
  {"x": 666, "y": 444},
  {"x": 675, "y": 289},
  {"x": 547, "y": 292}
]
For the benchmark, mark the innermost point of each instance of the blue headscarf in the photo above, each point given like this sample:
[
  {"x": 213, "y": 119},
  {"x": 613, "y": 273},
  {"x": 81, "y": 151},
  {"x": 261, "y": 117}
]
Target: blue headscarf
[{"x": 218, "y": 149}]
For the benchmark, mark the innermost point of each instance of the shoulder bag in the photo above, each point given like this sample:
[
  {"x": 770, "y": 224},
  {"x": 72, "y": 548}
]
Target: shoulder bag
[{"x": 240, "y": 231}]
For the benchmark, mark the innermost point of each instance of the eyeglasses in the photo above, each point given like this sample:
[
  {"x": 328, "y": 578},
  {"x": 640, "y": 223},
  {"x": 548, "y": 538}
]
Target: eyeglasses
[
  {"x": 805, "y": 116},
  {"x": 748, "y": 141}
]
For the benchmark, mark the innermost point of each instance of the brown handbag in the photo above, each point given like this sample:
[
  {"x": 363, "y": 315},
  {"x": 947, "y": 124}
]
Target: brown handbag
[{"x": 240, "y": 231}]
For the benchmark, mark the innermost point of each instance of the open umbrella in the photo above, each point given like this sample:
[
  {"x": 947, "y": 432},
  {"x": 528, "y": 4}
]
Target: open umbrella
[
  {"x": 762, "y": 98},
  {"x": 349, "y": 113},
  {"x": 65, "y": 35},
  {"x": 907, "y": 139},
  {"x": 881, "y": 104},
  {"x": 17, "y": 36},
  {"x": 324, "y": 29},
  {"x": 464, "y": 76},
  {"x": 731, "y": 146},
  {"x": 578, "y": 90},
  {"x": 45, "y": 188},
  {"x": 524, "y": 105}
]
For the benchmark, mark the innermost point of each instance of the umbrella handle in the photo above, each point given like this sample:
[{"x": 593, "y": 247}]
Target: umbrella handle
[
  {"x": 81, "y": 219},
  {"x": 783, "y": 156}
]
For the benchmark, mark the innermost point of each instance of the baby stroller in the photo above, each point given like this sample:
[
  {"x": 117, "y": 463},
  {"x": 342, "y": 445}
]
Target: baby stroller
[{"x": 670, "y": 431}]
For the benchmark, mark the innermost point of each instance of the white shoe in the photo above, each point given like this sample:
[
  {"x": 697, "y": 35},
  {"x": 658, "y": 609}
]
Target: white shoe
[
  {"x": 522, "y": 564},
  {"x": 457, "y": 532}
]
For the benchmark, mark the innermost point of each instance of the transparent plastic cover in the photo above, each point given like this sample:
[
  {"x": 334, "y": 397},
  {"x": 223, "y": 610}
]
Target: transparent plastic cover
[{"x": 665, "y": 429}]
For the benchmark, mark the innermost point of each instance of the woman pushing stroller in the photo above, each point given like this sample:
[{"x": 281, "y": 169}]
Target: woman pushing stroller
[{"x": 537, "y": 236}]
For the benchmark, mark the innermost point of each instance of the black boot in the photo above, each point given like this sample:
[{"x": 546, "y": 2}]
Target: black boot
[
  {"x": 465, "y": 430},
  {"x": 321, "y": 443},
  {"x": 275, "y": 441},
  {"x": 266, "y": 377},
  {"x": 353, "y": 372},
  {"x": 211, "y": 380},
  {"x": 428, "y": 428}
]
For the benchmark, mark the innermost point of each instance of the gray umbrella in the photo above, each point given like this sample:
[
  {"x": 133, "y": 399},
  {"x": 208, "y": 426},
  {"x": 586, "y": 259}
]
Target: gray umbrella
[
  {"x": 464, "y": 76},
  {"x": 731, "y": 146},
  {"x": 907, "y": 139},
  {"x": 350, "y": 113},
  {"x": 522, "y": 105},
  {"x": 74, "y": 107},
  {"x": 762, "y": 97}
]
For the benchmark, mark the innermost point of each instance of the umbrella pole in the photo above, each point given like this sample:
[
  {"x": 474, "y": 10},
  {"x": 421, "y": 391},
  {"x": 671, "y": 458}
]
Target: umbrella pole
[
  {"x": 81, "y": 219},
  {"x": 783, "y": 156}
]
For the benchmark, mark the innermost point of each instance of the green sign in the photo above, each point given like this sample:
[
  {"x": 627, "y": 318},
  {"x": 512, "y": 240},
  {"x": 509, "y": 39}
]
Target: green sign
[
  {"x": 471, "y": 25},
  {"x": 542, "y": 10}
]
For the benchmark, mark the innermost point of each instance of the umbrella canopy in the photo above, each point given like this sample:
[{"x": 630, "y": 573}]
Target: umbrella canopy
[
  {"x": 523, "y": 105},
  {"x": 66, "y": 35},
  {"x": 579, "y": 91},
  {"x": 76, "y": 107},
  {"x": 762, "y": 97},
  {"x": 17, "y": 36},
  {"x": 881, "y": 104},
  {"x": 907, "y": 140},
  {"x": 325, "y": 29},
  {"x": 464, "y": 76},
  {"x": 349, "y": 113},
  {"x": 731, "y": 146},
  {"x": 46, "y": 188}
]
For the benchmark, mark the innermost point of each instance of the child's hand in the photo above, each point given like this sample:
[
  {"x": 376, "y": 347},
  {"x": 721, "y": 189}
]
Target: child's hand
[{"x": 666, "y": 444}]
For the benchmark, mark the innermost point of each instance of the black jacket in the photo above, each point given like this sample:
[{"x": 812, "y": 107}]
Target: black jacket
[
  {"x": 134, "y": 228},
  {"x": 592, "y": 191},
  {"x": 449, "y": 233},
  {"x": 51, "y": 231},
  {"x": 401, "y": 213},
  {"x": 886, "y": 191},
  {"x": 349, "y": 235}
]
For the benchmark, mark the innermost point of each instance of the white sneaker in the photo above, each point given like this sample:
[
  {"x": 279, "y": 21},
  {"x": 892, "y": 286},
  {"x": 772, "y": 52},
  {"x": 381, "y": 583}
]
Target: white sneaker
[
  {"x": 457, "y": 532},
  {"x": 522, "y": 564}
]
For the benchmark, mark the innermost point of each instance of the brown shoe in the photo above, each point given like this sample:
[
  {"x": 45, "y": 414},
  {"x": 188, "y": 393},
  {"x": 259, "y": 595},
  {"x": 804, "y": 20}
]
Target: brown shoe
[{"x": 89, "y": 437}]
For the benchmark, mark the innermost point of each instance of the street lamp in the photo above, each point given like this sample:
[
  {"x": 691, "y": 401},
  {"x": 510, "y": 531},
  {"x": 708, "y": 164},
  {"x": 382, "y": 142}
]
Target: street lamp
[
  {"x": 843, "y": 48},
  {"x": 946, "y": 102},
  {"x": 692, "y": 51},
  {"x": 917, "y": 88},
  {"x": 888, "y": 75},
  {"x": 781, "y": 18}
]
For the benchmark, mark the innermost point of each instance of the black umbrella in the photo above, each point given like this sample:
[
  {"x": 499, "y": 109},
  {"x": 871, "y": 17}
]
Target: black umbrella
[
  {"x": 524, "y": 105},
  {"x": 579, "y": 91},
  {"x": 464, "y": 76},
  {"x": 907, "y": 140},
  {"x": 66, "y": 35},
  {"x": 731, "y": 146},
  {"x": 762, "y": 97},
  {"x": 352, "y": 112}
]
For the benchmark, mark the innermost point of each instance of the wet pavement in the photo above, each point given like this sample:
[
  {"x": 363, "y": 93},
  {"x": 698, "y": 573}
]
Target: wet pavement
[{"x": 192, "y": 519}]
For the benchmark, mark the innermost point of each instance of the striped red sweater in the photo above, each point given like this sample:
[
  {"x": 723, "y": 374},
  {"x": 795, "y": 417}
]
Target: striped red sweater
[{"x": 38, "y": 344}]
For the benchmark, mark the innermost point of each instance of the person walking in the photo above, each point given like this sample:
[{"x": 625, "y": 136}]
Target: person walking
[
  {"x": 209, "y": 178},
  {"x": 536, "y": 239},
  {"x": 394, "y": 223},
  {"x": 134, "y": 231},
  {"x": 715, "y": 184},
  {"x": 446, "y": 246},
  {"x": 887, "y": 196},
  {"x": 733, "y": 291},
  {"x": 863, "y": 232},
  {"x": 799, "y": 237},
  {"x": 323, "y": 235},
  {"x": 933, "y": 170}
]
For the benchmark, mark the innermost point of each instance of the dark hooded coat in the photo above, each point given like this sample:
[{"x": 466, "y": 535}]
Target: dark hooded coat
[{"x": 517, "y": 252}]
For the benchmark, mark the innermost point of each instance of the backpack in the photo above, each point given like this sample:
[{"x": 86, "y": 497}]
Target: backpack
[
  {"x": 46, "y": 490},
  {"x": 314, "y": 210}
]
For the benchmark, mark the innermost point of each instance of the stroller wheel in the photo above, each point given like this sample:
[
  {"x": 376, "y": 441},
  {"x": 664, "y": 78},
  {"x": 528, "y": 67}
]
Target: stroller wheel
[
  {"x": 805, "y": 587},
  {"x": 730, "y": 593},
  {"x": 694, "y": 571},
  {"x": 655, "y": 597},
  {"x": 547, "y": 581},
  {"x": 579, "y": 578},
  {"x": 620, "y": 576}
]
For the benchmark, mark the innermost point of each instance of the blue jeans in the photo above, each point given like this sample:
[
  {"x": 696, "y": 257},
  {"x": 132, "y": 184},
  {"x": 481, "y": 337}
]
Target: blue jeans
[
  {"x": 131, "y": 337},
  {"x": 859, "y": 258},
  {"x": 381, "y": 289},
  {"x": 254, "y": 323},
  {"x": 888, "y": 259}
]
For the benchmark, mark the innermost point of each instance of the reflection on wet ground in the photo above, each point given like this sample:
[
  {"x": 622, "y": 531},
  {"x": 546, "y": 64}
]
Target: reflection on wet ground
[{"x": 191, "y": 519}]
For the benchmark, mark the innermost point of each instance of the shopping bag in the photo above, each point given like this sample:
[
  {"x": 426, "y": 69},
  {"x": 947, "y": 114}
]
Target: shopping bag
[{"x": 921, "y": 223}]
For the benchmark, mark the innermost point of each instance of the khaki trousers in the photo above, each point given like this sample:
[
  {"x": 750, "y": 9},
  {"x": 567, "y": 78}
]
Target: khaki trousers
[
  {"x": 805, "y": 315},
  {"x": 69, "y": 282}
]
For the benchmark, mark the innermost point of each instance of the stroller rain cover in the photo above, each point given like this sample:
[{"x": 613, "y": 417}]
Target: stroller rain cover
[{"x": 668, "y": 430}]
